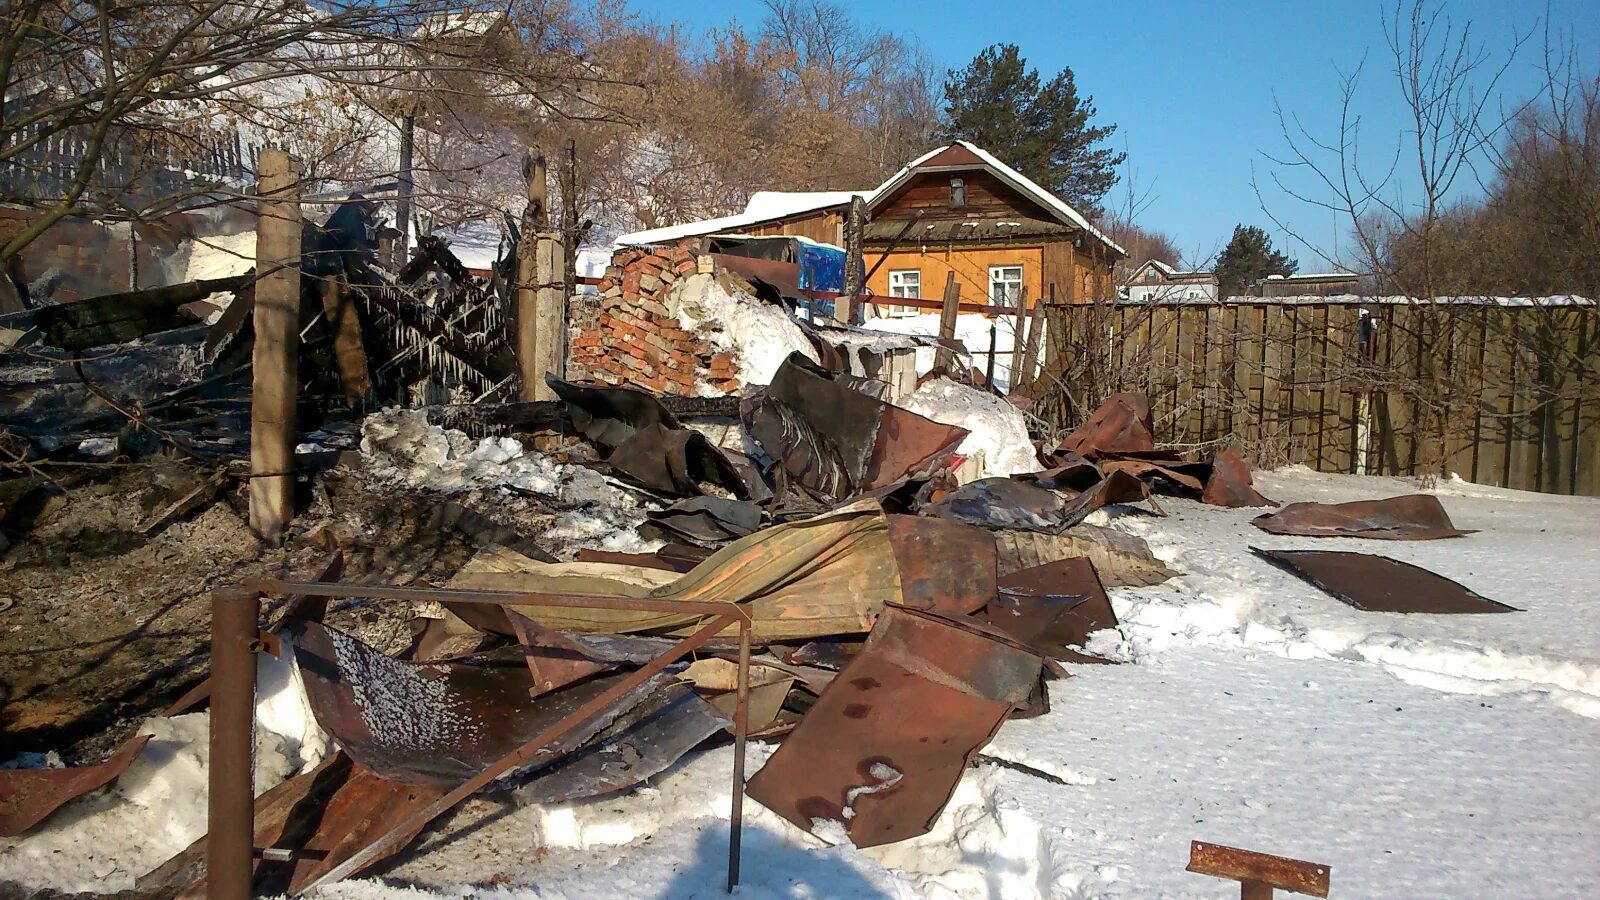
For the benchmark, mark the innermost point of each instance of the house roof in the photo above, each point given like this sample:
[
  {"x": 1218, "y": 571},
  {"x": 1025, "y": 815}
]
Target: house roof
[
  {"x": 765, "y": 206},
  {"x": 969, "y": 230},
  {"x": 975, "y": 156},
  {"x": 1192, "y": 275}
]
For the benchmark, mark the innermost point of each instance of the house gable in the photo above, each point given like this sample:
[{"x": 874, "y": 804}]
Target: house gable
[{"x": 929, "y": 192}]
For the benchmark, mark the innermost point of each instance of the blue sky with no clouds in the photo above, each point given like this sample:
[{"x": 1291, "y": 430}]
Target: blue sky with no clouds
[{"x": 1192, "y": 85}]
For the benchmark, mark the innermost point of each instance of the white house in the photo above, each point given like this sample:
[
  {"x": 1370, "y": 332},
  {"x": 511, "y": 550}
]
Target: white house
[{"x": 1157, "y": 282}]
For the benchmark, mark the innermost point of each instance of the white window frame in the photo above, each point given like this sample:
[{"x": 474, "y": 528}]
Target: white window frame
[
  {"x": 999, "y": 277},
  {"x": 899, "y": 288}
]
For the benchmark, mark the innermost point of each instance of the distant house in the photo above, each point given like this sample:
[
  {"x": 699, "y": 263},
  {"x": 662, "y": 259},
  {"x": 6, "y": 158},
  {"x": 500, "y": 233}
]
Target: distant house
[
  {"x": 1002, "y": 235},
  {"x": 1156, "y": 282},
  {"x": 1321, "y": 284}
]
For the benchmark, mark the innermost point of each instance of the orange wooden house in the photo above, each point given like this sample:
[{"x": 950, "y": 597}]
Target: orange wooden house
[{"x": 1002, "y": 235}]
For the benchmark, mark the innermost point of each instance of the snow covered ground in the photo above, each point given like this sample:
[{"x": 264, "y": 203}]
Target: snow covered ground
[
  {"x": 1419, "y": 756},
  {"x": 972, "y": 330}
]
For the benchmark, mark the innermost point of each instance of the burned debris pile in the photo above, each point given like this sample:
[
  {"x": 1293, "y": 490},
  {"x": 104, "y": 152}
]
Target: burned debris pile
[{"x": 553, "y": 600}]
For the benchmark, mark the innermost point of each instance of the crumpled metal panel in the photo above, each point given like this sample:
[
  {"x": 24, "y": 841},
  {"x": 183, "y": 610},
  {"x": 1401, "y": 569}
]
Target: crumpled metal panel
[
  {"x": 1230, "y": 484},
  {"x": 643, "y": 742},
  {"x": 675, "y": 461},
  {"x": 1053, "y": 606},
  {"x": 435, "y": 723},
  {"x": 556, "y": 659},
  {"x": 836, "y": 440},
  {"x": 1380, "y": 584},
  {"x": 607, "y": 416},
  {"x": 885, "y": 745},
  {"x": 325, "y": 815},
  {"x": 703, "y": 520},
  {"x": 29, "y": 796},
  {"x": 1009, "y": 503},
  {"x": 1411, "y": 517},
  {"x": 1121, "y": 424}
]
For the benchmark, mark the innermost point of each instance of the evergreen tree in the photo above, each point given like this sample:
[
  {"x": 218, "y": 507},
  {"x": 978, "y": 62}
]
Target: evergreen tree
[
  {"x": 1248, "y": 258},
  {"x": 997, "y": 103}
]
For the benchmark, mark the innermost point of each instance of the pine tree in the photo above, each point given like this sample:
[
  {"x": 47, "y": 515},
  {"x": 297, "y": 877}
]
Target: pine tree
[
  {"x": 997, "y": 103},
  {"x": 1248, "y": 258}
]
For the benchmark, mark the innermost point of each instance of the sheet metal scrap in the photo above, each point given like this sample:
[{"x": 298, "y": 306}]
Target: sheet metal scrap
[
  {"x": 1121, "y": 424},
  {"x": 1121, "y": 559},
  {"x": 1052, "y": 607},
  {"x": 1007, "y": 503},
  {"x": 1380, "y": 584},
  {"x": 557, "y": 659},
  {"x": 885, "y": 745},
  {"x": 836, "y": 440},
  {"x": 643, "y": 742},
  {"x": 703, "y": 520},
  {"x": 320, "y": 818},
  {"x": 676, "y": 462},
  {"x": 29, "y": 796},
  {"x": 1412, "y": 517},
  {"x": 1230, "y": 485},
  {"x": 823, "y": 576},
  {"x": 435, "y": 723}
]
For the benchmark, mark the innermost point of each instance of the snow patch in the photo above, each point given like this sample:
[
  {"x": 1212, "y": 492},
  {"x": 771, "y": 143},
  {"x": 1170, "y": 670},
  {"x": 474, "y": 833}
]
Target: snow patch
[
  {"x": 997, "y": 440},
  {"x": 759, "y": 335}
]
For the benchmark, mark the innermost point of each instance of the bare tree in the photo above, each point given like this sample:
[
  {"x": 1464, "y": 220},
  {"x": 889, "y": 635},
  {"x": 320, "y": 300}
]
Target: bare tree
[
  {"x": 1448, "y": 81},
  {"x": 151, "y": 79}
]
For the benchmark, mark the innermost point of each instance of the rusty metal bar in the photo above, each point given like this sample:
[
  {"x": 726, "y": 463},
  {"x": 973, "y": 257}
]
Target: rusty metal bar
[
  {"x": 1259, "y": 873},
  {"x": 1255, "y": 890},
  {"x": 403, "y": 831},
  {"x": 741, "y": 727},
  {"x": 488, "y": 598},
  {"x": 231, "y": 803}
]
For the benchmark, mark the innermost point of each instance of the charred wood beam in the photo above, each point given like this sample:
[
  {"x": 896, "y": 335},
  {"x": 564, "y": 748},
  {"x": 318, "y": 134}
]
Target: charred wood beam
[{"x": 116, "y": 318}]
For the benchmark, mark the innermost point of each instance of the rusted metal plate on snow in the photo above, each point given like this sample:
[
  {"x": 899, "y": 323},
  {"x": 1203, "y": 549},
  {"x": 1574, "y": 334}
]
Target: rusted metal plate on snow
[
  {"x": 1380, "y": 584},
  {"x": 887, "y": 742},
  {"x": 1230, "y": 484},
  {"x": 436, "y": 723},
  {"x": 1280, "y": 872},
  {"x": 1053, "y": 606},
  {"x": 29, "y": 796},
  {"x": 1413, "y": 517}
]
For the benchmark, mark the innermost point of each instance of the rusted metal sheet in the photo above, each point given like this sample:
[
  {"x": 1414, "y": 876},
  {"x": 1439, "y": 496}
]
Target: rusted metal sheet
[
  {"x": 944, "y": 566},
  {"x": 436, "y": 723},
  {"x": 556, "y": 659},
  {"x": 643, "y": 742},
  {"x": 1121, "y": 424},
  {"x": 1230, "y": 484},
  {"x": 1412, "y": 517},
  {"x": 1052, "y": 607},
  {"x": 708, "y": 521},
  {"x": 1120, "y": 559},
  {"x": 1380, "y": 584},
  {"x": 657, "y": 560},
  {"x": 838, "y": 441},
  {"x": 675, "y": 461},
  {"x": 320, "y": 818},
  {"x": 1279, "y": 872},
  {"x": 29, "y": 796},
  {"x": 1007, "y": 503},
  {"x": 886, "y": 743}
]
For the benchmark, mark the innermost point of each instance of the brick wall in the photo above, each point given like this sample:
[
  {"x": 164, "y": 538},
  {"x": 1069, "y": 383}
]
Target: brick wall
[{"x": 628, "y": 334}]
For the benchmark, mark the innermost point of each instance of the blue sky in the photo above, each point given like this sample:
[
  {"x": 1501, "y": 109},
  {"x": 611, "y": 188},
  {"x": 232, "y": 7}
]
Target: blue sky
[{"x": 1191, "y": 86}]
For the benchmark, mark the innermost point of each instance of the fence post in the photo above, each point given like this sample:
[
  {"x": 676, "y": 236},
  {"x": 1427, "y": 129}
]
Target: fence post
[
  {"x": 277, "y": 346},
  {"x": 230, "y": 840},
  {"x": 541, "y": 302},
  {"x": 944, "y": 358}
]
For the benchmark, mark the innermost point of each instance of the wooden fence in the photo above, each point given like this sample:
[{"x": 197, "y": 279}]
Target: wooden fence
[{"x": 1500, "y": 394}]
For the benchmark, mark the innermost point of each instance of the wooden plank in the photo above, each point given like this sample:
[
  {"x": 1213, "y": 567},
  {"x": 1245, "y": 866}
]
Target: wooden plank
[
  {"x": 274, "y": 366},
  {"x": 1496, "y": 366},
  {"x": 945, "y": 360},
  {"x": 534, "y": 220},
  {"x": 1521, "y": 461},
  {"x": 1588, "y": 412},
  {"x": 1212, "y": 426},
  {"x": 349, "y": 355},
  {"x": 1569, "y": 332}
]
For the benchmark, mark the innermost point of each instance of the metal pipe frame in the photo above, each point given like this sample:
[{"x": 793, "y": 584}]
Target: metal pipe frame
[{"x": 235, "y": 640}]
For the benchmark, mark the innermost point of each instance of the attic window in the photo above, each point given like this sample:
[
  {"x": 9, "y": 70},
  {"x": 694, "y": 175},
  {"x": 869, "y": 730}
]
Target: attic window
[{"x": 958, "y": 192}]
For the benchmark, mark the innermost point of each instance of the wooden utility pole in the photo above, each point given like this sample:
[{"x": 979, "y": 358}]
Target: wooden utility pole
[
  {"x": 541, "y": 298},
  {"x": 277, "y": 347},
  {"x": 855, "y": 224},
  {"x": 1019, "y": 336},
  {"x": 569, "y": 218},
  {"x": 944, "y": 359}
]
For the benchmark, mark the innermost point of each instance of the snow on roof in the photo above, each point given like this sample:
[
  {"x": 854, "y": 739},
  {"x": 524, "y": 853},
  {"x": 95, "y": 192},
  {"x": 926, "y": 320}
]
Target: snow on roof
[
  {"x": 762, "y": 207},
  {"x": 1012, "y": 176},
  {"x": 1315, "y": 276}
]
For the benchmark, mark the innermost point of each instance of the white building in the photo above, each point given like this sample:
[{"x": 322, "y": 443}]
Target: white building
[{"x": 1157, "y": 282}]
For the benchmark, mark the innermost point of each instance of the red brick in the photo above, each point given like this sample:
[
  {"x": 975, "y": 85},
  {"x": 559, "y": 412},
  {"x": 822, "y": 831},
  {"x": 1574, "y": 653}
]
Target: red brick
[
  {"x": 685, "y": 267},
  {"x": 630, "y": 284}
]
